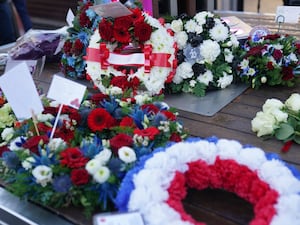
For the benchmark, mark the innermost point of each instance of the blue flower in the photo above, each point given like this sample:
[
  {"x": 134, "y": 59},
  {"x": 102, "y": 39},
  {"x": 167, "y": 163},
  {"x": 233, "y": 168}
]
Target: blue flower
[
  {"x": 62, "y": 184},
  {"x": 11, "y": 160},
  {"x": 91, "y": 149}
]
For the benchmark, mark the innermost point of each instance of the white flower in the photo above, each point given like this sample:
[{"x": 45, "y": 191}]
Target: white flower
[
  {"x": 279, "y": 115},
  {"x": 228, "y": 55},
  {"x": 45, "y": 117},
  {"x": 184, "y": 71},
  {"x": 263, "y": 80},
  {"x": 177, "y": 25},
  {"x": 205, "y": 78},
  {"x": 127, "y": 154},
  {"x": 244, "y": 64},
  {"x": 192, "y": 83},
  {"x": 210, "y": 50},
  {"x": 219, "y": 32},
  {"x": 201, "y": 17},
  {"x": 7, "y": 134},
  {"x": 191, "y": 26},
  {"x": 102, "y": 174},
  {"x": 293, "y": 102},
  {"x": 225, "y": 81},
  {"x": 263, "y": 123},
  {"x": 293, "y": 57},
  {"x": 251, "y": 72},
  {"x": 141, "y": 99},
  {"x": 271, "y": 105},
  {"x": 93, "y": 166},
  {"x": 104, "y": 156},
  {"x": 27, "y": 163},
  {"x": 16, "y": 144},
  {"x": 56, "y": 144},
  {"x": 114, "y": 91},
  {"x": 42, "y": 174},
  {"x": 181, "y": 39},
  {"x": 234, "y": 40}
]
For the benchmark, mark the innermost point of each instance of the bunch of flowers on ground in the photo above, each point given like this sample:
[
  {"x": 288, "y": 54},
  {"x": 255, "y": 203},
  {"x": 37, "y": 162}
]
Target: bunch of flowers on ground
[
  {"x": 89, "y": 153},
  {"x": 280, "y": 120},
  {"x": 270, "y": 60},
  {"x": 206, "y": 54},
  {"x": 131, "y": 54}
]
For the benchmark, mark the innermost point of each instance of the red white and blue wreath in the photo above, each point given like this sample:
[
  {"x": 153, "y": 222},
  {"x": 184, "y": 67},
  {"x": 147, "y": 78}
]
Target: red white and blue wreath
[
  {"x": 131, "y": 54},
  {"x": 159, "y": 183}
]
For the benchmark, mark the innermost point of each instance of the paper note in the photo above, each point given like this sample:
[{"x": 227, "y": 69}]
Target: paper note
[
  {"x": 12, "y": 63},
  {"x": 113, "y": 9},
  {"x": 70, "y": 17},
  {"x": 119, "y": 219},
  {"x": 66, "y": 92},
  {"x": 287, "y": 14},
  {"x": 20, "y": 91}
]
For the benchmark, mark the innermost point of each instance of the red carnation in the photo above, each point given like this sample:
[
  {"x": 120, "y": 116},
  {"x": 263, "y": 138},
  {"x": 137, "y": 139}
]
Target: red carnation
[
  {"x": 255, "y": 51},
  {"x": 121, "y": 82},
  {"x": 150, "y": 108},
  {"x": 150, "y": 132},
  {"x": 142, "y": 31},
  {"x": 98, "y": 98},
  {"x": 44, "y": 128},
  {"x": 270, "y": 65},
  {"x": 84, "y": 20},
  {"x": 277, "y": 54},
  {"x": 122, "y": 35},
  {"x": 119, "y": 141},
  {"x": 73, "y": 158},
  {"x": 100, "y": 119},
  {"x": 123, "y": 21},
  {"x": 288, "y": 73},
  {"x": 64, "y": 133},
  {"x": 175, "y": 137},
  {"x": 106, "y": 30},
  {"x": 77, "y": 47},
  {"x": 67, "y": 47},
  {"x": 79, "y": 177},
  {"x": 171, "y": 116},
  {"x": 33, "y": 142}
]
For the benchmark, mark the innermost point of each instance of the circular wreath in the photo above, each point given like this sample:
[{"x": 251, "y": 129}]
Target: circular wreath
[
  {"x": 206, "y": 54},
  {"x": 131, "y": 53},
  {"x": 160, "y": 182}
]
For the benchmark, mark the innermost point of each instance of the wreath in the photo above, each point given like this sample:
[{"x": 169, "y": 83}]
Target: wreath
[
  {"x": 131, "y": 54},
  {"x": 206, "y": 54},
  {"x": 159, "y": 183}
]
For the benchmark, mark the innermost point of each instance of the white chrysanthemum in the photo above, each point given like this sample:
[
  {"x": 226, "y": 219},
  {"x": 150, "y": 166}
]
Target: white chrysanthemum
[
  {"x": 210, "y": 50},
  {"x": 45, "y": 117},
  {"x": 219, "y": 32},
  {"x": 224, "y": 81},
  {"x": 201, "y": 17},
  {"x": 101, "y": 175},
  {"x": 206, "y": 77},
  {"x": 181, "y": 39},
  {"x": 127, "y": 154},
  {"x": 177, "y": 25},
  {"x": 184, "y": 71},
  {"x": 104, "y": 156},
  {"x": 7, "y": 134},
  {"x": 191, "y": 26},
  {"x": 42, "y": 174}
]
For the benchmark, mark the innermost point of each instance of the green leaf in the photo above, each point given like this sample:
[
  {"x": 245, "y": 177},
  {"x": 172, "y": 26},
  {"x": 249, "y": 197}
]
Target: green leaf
[
  {"x": 284, "y": 132},
  {"x": 297, "y": 139}
]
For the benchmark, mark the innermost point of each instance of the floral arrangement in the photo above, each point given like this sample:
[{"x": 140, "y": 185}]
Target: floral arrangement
[
  {"x": 131, "y": 54},
  {"x": 270, "y": 60},
  {"x": 280, "y": 120},
  {"x": 205, "y": 56},
  {"x": 159, "y": 183},
  {"x": 91, "y": 149},
  {"x": 84, "y": 24}
]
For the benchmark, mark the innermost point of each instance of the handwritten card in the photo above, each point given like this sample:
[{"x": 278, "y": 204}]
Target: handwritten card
[
  {"x": 20, "y": 91},
  {"x": 66, "y": 92},
  {"x": 119, "y": 219},
  {"x": 112, "y": 9},
  {"x": 287, "y": 14}
]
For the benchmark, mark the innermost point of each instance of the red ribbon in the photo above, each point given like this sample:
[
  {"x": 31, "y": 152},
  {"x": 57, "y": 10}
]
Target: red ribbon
[{"x": 98, "y": 55}]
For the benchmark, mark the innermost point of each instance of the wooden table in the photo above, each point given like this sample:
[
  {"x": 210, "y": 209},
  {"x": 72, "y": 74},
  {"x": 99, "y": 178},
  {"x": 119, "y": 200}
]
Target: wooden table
[{"x": 232, "y": 122}]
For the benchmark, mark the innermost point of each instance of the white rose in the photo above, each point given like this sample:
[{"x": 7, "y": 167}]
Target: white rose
[
  {"x": 177, "y": 25},
  {"x": 127, "y": 154},
  {"x": 271, "y": 105},
  {"x": 293, "y": 102},
  {"x": 279, "y": 115},
  {"x": 263, "y": 124}
]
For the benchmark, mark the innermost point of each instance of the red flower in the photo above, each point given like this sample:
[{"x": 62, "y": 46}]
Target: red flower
[
  {"x": 127, "y": 122},
  {"x": 121, "y": 82},
  {"x": 150, "y": 132},
  {"x": 44, "y": 128},
  {"x": 67, "y": 47},
  {"x": 84, "y": 20},
  {"x": 120, "y": 140},
  {"x": 123, "y": 21},
  {"x": 77, "y": 47},
  {"x": 277, "y": 54},
  {"x": 63, "y": 132},
  {"x": 255, "y": 51},
  {"x": 171, "y": 116},
  {"x": 150, "y": 108},
  {"x": 106, "y": 29},
  {"x": 271, "y": 37},
  {"x": 3, "y": 149},
  {"x": 73, "y": 113},
  {"x": 100, "y": 119},
  {"x": 79, "y": 177},
  {"x": 287, "y": 73},
  {"x": 270, "y": 66},
  {"x": 122, "y": 35},
  {"x": 142, "y": 31},
  {"x": 136, "y": 14},
  {"x": 175, "y": 137},
  {"x": 33, "y": 142},
  {"x": 98, "y": 98},
  {"x": 73, "y": 158}
]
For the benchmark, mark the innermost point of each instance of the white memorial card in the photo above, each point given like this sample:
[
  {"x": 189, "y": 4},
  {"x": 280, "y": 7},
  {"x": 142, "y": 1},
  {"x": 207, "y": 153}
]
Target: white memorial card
[
  {"x": 112, "y": 9},
  {"x": 287, "y": 14},
  {"x": 70, "y": 17},
  {"x": 11, "y": 63},
  {"x": 132, "y": 218},
  {"x": 66, "y": 92},
  {"x": 20, "y": 91}
]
